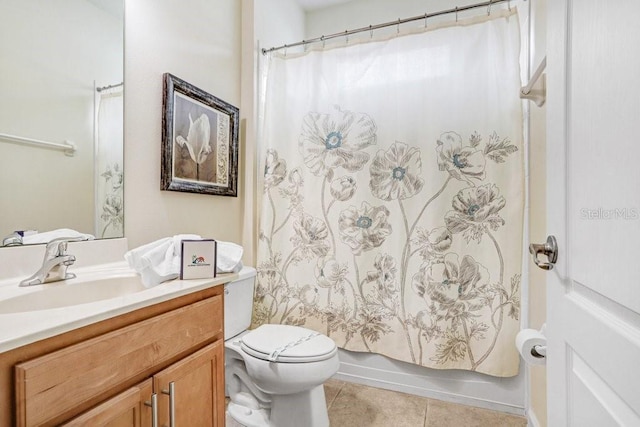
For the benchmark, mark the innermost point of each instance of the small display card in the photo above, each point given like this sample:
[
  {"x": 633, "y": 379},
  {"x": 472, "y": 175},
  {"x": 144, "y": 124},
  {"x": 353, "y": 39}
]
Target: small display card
[{"x": 198, "y": 259}]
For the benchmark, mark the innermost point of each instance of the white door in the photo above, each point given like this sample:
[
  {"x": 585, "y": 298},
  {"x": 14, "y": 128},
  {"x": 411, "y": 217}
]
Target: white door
[{"x": 593, "y": 188}]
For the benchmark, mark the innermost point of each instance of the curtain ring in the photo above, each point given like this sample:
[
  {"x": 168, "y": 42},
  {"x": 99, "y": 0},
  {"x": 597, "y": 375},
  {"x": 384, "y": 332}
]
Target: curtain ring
[
  {"x": 370, "y": 31},
  {"x": 398, "y": 27},
  {"x": 346, "y": 35},
  {"x": 456, "y": 13},
  {"x": 323, "y": 41},
  {"x": 425, "y": 20},
  {"x": 489, "y": 8},
  {"x": 285, "y": 50}
]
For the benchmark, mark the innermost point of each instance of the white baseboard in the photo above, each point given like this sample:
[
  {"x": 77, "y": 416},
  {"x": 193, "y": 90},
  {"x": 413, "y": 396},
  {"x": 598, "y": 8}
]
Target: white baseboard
[{"x": 456, "y": 386}]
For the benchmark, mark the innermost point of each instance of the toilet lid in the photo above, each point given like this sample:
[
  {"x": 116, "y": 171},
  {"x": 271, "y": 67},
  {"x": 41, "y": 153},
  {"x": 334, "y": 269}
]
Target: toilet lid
[{"x": 286, "y": 343}]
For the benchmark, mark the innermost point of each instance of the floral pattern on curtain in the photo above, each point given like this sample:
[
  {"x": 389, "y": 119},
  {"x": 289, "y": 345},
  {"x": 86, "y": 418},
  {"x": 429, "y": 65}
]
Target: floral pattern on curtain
[
  {"x": 109, "y": 215},
  {"x": 391, "y": 218}
]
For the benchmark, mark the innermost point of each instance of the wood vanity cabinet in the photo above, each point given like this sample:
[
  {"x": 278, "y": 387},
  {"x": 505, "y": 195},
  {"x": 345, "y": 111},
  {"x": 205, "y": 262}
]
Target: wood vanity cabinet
[
  {"x": 125, "y": 409},
  {"x": 107, "y": 375},
  {"x": 195, "y": 388}
]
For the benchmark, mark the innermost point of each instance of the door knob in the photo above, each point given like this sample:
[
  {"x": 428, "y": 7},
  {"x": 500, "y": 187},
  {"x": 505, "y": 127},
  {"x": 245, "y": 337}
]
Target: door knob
[{"x": 550, "y": 249}]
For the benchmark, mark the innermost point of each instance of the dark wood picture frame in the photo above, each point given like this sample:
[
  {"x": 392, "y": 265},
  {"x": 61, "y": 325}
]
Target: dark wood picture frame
[{"x": 199, "y": 141}]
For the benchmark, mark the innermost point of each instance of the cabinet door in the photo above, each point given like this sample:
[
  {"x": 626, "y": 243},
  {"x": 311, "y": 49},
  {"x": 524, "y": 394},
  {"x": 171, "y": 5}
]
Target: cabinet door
[
  {"x": 197, "y": 382},
  {"x": 126, "y": 409}
]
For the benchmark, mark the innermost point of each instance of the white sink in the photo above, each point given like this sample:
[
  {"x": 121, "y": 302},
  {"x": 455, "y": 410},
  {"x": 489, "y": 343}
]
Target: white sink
[{"x": 71, "y": 292}]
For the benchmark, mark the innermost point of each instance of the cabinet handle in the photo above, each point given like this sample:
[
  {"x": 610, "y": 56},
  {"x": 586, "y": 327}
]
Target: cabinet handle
[
  {"x": 154, "y": 409},
  {"x": 172, "y": 404}
]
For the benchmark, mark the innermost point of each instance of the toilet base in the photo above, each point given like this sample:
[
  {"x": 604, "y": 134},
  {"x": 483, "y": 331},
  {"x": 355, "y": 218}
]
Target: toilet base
[
  {"x": 248, "y": 417},
  {"x": 308, "y": 408}
]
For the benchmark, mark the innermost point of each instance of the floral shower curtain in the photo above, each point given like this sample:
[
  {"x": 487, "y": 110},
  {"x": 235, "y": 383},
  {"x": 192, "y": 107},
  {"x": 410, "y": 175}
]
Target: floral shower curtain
[
  {"x": 392, "y": 212},
  {"x": 109, "y": 213}
]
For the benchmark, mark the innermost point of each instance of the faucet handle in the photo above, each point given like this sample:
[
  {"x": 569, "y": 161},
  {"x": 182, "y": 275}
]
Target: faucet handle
[{"x": 58, "y": 247}]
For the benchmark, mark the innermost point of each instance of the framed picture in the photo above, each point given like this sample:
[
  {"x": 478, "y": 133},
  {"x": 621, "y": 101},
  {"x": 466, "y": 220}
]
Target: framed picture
[{"x": 199, "y": 141}]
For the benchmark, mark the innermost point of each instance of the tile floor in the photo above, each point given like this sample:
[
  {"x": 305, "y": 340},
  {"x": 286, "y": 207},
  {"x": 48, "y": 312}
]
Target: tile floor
[{"x": 355, "y": 405}]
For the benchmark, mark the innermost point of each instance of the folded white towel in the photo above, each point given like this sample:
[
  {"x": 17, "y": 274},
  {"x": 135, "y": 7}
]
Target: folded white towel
[
  {"x": 48, "y": 236},
  {"x": 158, "y": 261},
  {"x": 229, "y": 256}
]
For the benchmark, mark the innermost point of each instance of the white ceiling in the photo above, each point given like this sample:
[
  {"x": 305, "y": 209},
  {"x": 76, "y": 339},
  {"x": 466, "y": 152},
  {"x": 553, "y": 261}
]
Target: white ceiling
[{"x": 311, "y": 5}]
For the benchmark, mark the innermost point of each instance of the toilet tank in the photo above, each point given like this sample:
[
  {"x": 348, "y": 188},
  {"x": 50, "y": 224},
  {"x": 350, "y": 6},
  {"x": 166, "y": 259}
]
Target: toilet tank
[{"x": 238, "y": 302}]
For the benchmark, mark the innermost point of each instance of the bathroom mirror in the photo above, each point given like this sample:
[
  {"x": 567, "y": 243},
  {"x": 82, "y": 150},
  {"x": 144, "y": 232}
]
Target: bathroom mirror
[{"x": 61, "y": 116}]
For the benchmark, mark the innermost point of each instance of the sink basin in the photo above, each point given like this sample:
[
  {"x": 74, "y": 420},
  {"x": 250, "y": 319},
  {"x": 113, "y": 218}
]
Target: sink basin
[{"x": 72, "y": 292}]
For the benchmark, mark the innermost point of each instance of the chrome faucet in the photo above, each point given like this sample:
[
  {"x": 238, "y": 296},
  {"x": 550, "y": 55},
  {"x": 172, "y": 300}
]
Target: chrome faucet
[
  {"x": 55, "y": 263},
  {"x": 13, "y": 239}
]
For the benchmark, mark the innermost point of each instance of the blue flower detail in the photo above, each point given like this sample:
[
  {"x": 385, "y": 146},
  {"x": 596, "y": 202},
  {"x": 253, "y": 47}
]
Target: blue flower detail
[
  {"x": 364, "y": 222},
  {"x": 395, "y": 173},
  {"x": 364, "y": 229},
  {"x": 333, "y": 140},
  {"x": 457, "y": 162},
  {"x": 476, "y": 209},
  {"x": 336, "y": 140},
  {"x": 462, "y": 162},
  {"x": 472, "y": 210},
  {"x": 398, "y": 173}
]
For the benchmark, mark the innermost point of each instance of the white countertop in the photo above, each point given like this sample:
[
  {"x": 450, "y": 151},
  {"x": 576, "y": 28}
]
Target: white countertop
[{"x": 26, "y": 327}]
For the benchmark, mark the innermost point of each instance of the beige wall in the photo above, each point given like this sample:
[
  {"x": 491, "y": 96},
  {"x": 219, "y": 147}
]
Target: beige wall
[
  {"x": 278, "y": 22},
  {"x": 537, "y": 212},
  {"x": 199, "y": 42}
]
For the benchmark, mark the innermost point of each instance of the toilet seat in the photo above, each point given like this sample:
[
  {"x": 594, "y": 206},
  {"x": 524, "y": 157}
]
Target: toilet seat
[{"x": 287, "y": 344}]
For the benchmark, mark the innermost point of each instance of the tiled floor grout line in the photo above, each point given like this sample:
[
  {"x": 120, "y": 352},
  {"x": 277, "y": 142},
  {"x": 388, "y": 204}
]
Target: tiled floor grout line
[
  {"x": 335, "y": 397},
  {"x": 426, "y": 413}
]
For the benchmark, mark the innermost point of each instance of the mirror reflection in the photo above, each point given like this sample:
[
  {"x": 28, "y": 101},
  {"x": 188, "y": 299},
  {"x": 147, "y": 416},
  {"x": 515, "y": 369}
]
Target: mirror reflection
[{"x": 61, "y": 119}]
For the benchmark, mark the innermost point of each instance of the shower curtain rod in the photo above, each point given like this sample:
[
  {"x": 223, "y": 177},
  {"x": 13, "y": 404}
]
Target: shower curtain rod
[
  {"x": 100, "y": 89},
  {"x": 426, "y": 16}
]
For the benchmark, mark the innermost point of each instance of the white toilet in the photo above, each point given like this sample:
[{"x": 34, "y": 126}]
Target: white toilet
[{"x": 274, "y": 373}]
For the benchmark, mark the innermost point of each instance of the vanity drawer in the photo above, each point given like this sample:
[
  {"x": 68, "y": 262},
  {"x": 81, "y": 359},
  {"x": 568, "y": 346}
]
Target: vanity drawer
[{"x": 54, "y": 386}]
